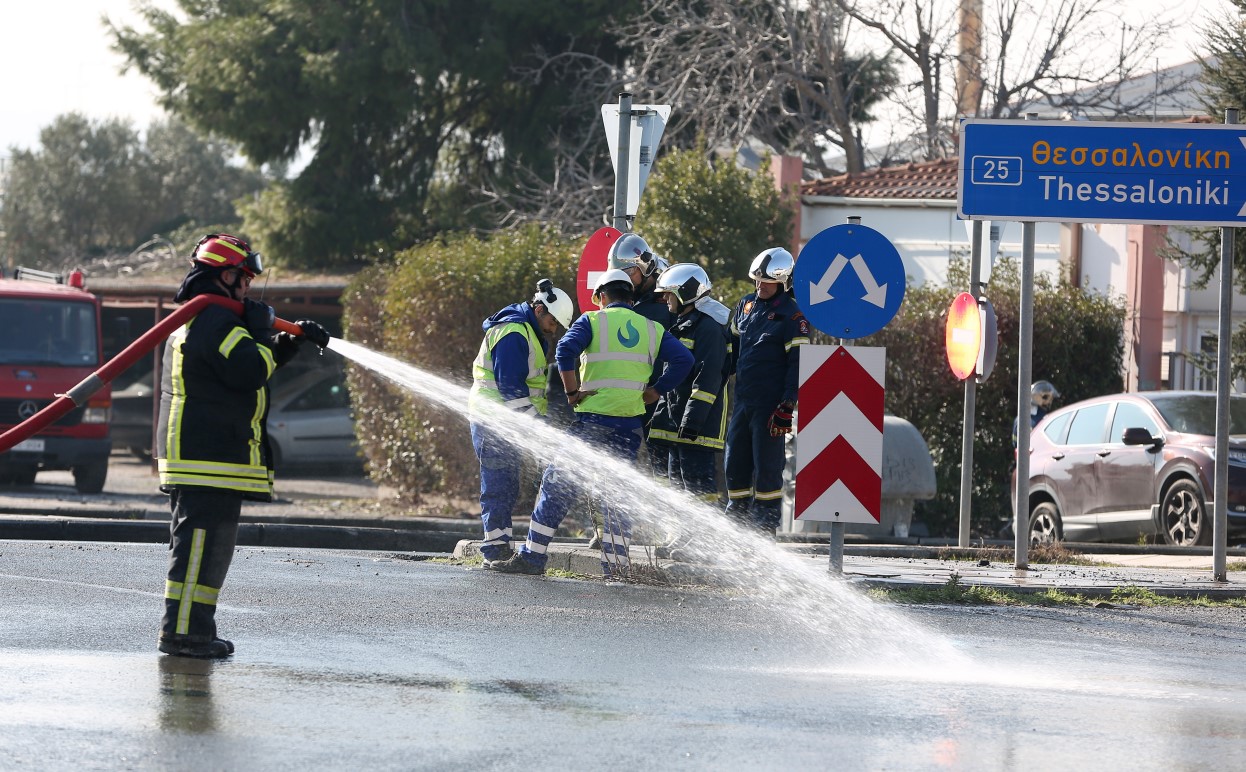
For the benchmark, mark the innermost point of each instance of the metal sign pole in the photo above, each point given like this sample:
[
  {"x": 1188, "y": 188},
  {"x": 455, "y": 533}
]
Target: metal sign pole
[
  {"x": 1025, "y": 355},
  {"x": 971, "y": 400},
  {"x": 837, "y": 548},
  {"x": 622, "y": 165},
  {"x": 1224, "y": 375}
]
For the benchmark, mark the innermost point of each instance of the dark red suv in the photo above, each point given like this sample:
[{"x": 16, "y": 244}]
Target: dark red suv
[{"x": 1128, "y": 465}]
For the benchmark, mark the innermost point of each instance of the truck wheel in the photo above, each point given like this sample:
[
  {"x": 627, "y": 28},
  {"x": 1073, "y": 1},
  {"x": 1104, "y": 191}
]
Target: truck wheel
[{"x": 89, "y": 478}]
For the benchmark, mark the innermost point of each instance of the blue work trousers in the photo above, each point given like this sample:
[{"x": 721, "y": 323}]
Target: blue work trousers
[
  {"x": 754, "y": 468},
  {"x": 559, "y": 490},
  {"x": 499, "y": 488}
]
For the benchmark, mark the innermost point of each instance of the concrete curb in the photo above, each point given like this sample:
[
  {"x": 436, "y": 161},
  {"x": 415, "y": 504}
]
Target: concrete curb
[{"x": 870, "y": 569}]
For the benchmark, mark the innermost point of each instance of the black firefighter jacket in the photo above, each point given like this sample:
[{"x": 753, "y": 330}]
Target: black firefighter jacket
[
  {"x": 700, "y": 402},
  {"x": 214, "y": 406}
]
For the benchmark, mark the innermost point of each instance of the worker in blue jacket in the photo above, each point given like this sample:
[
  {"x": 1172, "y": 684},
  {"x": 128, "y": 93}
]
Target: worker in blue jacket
[
  {"x": 510, "y": 374},
  {"x": 605, "y": 360},
  {"x": 768, "y": 330}
]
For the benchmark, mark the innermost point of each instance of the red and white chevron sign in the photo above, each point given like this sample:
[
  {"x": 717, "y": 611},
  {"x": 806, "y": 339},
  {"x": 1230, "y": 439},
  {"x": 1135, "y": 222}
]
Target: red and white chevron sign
[{"x": 839, "y": 448}]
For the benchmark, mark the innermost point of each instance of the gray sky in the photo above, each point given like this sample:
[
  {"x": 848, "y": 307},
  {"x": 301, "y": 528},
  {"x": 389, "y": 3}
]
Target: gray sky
[{"x": 56, "y": 59}]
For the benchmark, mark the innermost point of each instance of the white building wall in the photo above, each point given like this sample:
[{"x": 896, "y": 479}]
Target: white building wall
[
  {"x": 1103, "y": 258},
  {"x": 927, "y": 234}
]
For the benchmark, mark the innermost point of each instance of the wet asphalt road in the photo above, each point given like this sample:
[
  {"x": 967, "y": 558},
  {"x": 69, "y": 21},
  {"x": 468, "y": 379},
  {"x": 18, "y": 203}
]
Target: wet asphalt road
[{"x": 370, "y": 661}]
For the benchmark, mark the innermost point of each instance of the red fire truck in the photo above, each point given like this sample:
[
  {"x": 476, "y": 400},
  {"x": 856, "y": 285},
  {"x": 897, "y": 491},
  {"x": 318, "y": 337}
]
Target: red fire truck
[{"x": 49, "y": 341}]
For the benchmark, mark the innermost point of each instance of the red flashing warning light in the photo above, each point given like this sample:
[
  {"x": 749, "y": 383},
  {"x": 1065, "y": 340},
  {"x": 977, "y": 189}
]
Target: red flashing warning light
[
  {"x": 77, "y": 279},
  {"x": 963, "y": 340},
  {"x": 972, "y": 337}
]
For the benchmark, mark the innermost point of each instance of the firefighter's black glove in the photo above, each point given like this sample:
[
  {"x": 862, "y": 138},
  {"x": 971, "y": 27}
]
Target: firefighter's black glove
[
  {"x": 259, "y": 319},
  {"x": 781, "y": 419},
  {"x": 314, "y": 332},
  {"x": 688, "y": 433},
  {"x": 285, "y": 347}
]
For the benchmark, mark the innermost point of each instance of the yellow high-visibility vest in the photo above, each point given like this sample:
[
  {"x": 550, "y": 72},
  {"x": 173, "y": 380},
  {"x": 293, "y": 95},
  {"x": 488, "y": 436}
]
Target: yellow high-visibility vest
[
  {"x": 618, "y": 362},
  {"x": 484, "y": 382}
]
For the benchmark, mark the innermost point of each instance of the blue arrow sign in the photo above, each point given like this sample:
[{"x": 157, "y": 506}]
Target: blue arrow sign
[
  {"x": 849, "y": 281},
  {"x": 1189, "y": 174}
]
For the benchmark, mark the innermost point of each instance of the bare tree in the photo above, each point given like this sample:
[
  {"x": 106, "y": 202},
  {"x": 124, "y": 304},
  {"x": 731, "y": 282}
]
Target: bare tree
[
  {"x": 778, "y": 72},
  {"x": 576, "y": 194},
  {"x": 923, "y": 36},
  {"x": 775, "y": 73},
  {"x": 807, "y": 76},
  {"x": 1074, "y": 56}
]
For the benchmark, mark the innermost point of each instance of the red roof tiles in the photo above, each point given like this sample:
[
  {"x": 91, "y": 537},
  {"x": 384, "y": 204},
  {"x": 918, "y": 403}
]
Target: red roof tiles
[{"x": 928, "y": 180}]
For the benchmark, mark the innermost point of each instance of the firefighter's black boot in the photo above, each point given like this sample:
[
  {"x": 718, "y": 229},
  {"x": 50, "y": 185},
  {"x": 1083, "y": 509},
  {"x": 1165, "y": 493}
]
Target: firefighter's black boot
[
  {"x": 183, "y": 646},
  {"x": 204, "y": 532}
]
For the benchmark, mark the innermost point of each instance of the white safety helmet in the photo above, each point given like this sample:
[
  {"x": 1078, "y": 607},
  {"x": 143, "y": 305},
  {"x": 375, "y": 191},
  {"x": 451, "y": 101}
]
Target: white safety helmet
[
  {"x": 612, "y": 276},
  {"x": 631, "y": 251},
  {"x": 774, "y": 265},
  {"x": 555, "y": 301},
  {"x": 1042, "y": 393},
  {"x": 686, "y": 281}
]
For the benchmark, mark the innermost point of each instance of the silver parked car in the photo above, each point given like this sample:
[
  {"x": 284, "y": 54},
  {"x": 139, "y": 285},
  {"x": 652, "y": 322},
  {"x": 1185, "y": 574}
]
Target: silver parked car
[
  {"x": 1125, "y": 466},
  {"x": 309, "y": 421}
]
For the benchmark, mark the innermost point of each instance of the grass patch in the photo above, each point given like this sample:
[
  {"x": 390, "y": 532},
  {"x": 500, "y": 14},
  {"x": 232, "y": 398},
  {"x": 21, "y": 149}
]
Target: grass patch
[
  {"x": 954, "y": 591},
  {"x": 1235, "y": 565},
  {"x": 1055, "y": 553}
]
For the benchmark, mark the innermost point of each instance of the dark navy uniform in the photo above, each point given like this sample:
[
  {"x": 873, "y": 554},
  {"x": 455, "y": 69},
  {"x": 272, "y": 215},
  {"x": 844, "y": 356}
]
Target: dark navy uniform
[
  {"x": 653, "y": 307},
  {"x": 767, "y": 335},
  {"x": 690, "y": 422}
]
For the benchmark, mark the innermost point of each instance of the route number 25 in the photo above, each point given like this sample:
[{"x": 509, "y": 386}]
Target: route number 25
[{"x": 996, "y": 170}]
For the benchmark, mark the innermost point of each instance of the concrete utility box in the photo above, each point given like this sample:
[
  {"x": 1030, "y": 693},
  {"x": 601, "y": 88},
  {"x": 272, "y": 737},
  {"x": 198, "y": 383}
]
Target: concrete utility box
[{"x": 908, "y": 477}]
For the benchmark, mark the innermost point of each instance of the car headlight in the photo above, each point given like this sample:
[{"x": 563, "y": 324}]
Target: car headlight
[{"x": 95, "y": 415}]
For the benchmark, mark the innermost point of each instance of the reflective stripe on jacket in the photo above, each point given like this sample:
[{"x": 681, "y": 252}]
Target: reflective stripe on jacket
[
  {"x": 484, "y": 380},
  {"x": 618, "y": 362}
]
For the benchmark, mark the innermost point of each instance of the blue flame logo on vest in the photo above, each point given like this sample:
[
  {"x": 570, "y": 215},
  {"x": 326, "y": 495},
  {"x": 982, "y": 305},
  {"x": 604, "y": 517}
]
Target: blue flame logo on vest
[{"x": 633, "y": 335}]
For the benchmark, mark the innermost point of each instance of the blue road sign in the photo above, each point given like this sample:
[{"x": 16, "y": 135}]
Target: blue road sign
[
  {"x": 1191, "y": 174},
  {"x": 849, "y": 281}
]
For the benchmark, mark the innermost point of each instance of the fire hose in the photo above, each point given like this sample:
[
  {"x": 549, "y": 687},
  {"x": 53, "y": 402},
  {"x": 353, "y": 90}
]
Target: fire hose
[{"x": 79, "y": 394}]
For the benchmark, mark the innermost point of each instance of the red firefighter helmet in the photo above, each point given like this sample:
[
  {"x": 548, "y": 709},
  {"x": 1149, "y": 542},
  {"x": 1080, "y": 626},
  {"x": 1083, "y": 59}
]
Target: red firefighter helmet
[{"x": 220, "y": 250}]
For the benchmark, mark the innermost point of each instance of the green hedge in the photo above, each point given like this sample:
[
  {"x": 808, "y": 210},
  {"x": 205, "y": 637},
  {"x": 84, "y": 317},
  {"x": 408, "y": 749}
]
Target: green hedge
[
  {"x": 1078, "y": 346},
  {"x": 426, "y": 308}
]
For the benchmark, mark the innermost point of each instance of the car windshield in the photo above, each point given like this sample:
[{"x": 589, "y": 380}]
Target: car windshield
[
  {"x": 48, "y": 332},
  {"x": 1196, "y": 413}
]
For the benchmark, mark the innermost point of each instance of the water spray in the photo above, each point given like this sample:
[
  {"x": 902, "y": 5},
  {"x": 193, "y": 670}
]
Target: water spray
[
  {"x": 828, "y": 609},
  {"x": 79, "y": 394}
]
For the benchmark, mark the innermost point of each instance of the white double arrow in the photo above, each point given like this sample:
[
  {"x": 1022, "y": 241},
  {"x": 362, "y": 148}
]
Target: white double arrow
[{"x": 820, "y": 291}]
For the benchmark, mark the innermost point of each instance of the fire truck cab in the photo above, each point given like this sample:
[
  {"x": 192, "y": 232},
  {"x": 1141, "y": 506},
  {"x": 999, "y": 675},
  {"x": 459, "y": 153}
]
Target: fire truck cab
[{"x": 51, "y": 341}]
